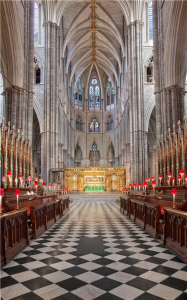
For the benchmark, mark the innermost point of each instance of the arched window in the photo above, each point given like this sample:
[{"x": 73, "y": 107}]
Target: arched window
[
  {"x": 94, "y": 93},
  {"x": 94, "y": 126},
  {"x": 110, "y": 93},
  {"x": 79, "y": 123},
  {"x": 78, "y": 93},
  {"x": 94, "y": 147},
  {"x": 37, "y": 75},
  {"x": 110, "y": 122},
  {"x": 36, "y": 23},
  {"x": 150, "y": 10}
]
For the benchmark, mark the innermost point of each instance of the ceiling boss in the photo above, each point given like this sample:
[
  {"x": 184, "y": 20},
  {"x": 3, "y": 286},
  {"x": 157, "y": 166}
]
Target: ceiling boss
[{"x": 93, "y": 3}]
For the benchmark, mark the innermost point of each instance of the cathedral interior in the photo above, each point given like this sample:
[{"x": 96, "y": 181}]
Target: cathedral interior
[{"x": 93, "y": 156}]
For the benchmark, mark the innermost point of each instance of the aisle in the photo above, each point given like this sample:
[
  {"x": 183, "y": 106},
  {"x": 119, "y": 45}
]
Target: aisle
[{"x": 95, "y": 253}]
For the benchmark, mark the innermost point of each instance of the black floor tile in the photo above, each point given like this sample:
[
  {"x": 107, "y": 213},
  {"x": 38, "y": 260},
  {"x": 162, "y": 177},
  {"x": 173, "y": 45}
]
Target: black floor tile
[
  {"x": 24, "y": 260},
  {"x": 15, "y": 270},
  {"x": 103, "y": 261},
  {"x": 77, "y": 261},
  {"x": 7, "y": 281},
  {"x": 50, "y": 260},
  {"x": 126, "y": 253},
  {"x": 54, "y": 252},
  {"x": 44, "y": 270},
  {"x": 71, "y": 284},
  {"x": 32, "y": 252},
  {"x": 149, "y": 252},
  {"x": 130, "y": 261},
  {"x": 178, "y": 284},
  {"x": 104, "y": 271},
  {"x": 36, "y": 283},
  {"x": 141, "y": 284},
  {"x": 106, "y": 284},
  {"x": 156, "y": 260},
  {"x": 164, "y": 270},
  {"x": 74, "y": 271}
]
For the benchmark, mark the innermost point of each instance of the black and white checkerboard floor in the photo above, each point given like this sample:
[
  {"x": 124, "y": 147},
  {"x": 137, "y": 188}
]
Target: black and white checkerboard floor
[{"x": 95, "y": 253}]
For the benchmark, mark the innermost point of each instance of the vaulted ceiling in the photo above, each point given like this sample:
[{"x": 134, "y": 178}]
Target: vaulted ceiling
[{"x": 78, "y": 45}]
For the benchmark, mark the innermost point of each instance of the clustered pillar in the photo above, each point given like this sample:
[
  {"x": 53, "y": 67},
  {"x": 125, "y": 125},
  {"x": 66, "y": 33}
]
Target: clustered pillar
[
  {"x": 136, "y": 101},
  {"x": 49, "y": 154},
  {"x": 19, "y": 101}
]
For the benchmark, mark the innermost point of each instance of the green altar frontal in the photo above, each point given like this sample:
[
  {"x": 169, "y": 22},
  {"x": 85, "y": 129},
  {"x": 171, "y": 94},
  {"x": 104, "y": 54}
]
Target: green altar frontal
[{"x": 94, "y": 188}]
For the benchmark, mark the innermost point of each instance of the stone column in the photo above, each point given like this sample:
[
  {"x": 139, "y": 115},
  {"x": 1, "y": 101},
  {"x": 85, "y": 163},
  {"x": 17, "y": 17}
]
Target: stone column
[
  {"x": 30, "y": 72},
  {"x": 14, "y": 106},
  {"x": 49, "y": 149},
  {"x": 156, "y": 71},
  {"x": 136, "y": 102},
  {"x": 174, "y": 100}
]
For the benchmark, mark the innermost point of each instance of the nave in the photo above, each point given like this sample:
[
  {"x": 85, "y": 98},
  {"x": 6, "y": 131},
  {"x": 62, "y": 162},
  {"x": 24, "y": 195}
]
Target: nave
[{"x": 95, "y": 252}]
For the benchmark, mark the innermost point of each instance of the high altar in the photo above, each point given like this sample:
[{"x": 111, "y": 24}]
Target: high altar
[{"x": 95, "y": 178}]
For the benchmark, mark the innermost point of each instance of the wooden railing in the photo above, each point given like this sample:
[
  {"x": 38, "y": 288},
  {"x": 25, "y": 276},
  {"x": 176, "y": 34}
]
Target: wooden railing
[
  {"x": 144, "y": 214},
  {"x": 14, "y": 234},
  {"x": 175, "y": 232}
]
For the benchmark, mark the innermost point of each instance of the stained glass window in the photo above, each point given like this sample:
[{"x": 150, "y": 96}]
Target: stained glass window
[
  {"x": 112, "y": 94},
  {"x": 94, "y": 93},
  {"x": 94, "y": 147},
  {"x": 94, "y": 81},
  {"x": 150, "y": 20},
  {"x": 108, "y": 94},
  {"x": 78, "y": 93},
  {"x": 94, "y": 126},
  {"x": 36, "y": 21}
]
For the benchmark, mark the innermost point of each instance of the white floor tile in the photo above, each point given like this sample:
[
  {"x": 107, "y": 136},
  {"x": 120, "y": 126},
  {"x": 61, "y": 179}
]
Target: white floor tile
[
  {"x": 154, "y": 276},
  {"x": 164, "y": 291},
  {"x": 126, "y": 292},
  {"x": 174, "y": 265},
  {"x": 50, "y": 291},
  {"x": 88, "y": 292},
  {"x": 121, "y": 277},
  {"x": 61, "y": 265},
  {"x": 57, "y": 276},
  {"x": 13, "y": 291},
  {"x": 89, "y": 277},
  {"x": 24, "y": 276}
]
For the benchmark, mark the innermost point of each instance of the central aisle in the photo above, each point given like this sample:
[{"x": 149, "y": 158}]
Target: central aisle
[{"x": 95, "y": 252}]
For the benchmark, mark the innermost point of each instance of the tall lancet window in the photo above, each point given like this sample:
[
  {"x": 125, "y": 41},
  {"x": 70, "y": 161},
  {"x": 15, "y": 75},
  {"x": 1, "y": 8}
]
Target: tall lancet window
[
  {"x": 94, "y": 93},
  {"x": 36, "y": 23},
  {"x": 150, "y": 9},
  {"x": 110, "y": 92},
  {"x": 94, "y": 126},
  {"x": 78, "y": 93}
]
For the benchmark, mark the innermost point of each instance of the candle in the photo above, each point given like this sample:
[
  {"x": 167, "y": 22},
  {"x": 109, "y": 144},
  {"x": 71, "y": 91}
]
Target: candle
[
  {"x": 17, "y": 193},
  {"x": 174, "y": 192},
  {"x": 160, "y": 178},
  {"x": 1, "y": 195}
]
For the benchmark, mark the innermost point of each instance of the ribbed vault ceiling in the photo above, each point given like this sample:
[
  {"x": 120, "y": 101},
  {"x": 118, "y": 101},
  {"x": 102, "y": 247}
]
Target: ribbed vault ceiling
[{"x": 77, "y": 34}]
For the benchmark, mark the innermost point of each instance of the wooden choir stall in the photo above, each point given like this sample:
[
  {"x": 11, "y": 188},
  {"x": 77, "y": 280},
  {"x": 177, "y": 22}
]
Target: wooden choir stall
[{"x": 25, "y": 212}]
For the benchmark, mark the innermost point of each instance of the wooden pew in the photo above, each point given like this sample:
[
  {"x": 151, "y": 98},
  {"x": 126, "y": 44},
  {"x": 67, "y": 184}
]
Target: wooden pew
[
  {"x": 43, "y": 216},
  {"x": 175, "y": 232},
  {"x": 14, "y": 234}
]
